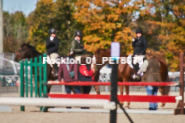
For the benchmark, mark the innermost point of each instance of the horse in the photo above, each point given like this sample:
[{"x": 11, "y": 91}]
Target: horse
[
  {"x": 125, "y": 72},
  {"x": 27, "y": 51}
]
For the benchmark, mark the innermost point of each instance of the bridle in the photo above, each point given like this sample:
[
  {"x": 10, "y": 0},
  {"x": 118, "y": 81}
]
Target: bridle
[
  {"x": 97, "y": 65},
  {"x": 20, "y": 54}
]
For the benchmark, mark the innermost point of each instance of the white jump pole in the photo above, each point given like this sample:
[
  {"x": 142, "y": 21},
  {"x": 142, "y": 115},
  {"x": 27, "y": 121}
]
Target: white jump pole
[
  {"x": 56, "y": 102},
  {"x": 59, "y": 110}
]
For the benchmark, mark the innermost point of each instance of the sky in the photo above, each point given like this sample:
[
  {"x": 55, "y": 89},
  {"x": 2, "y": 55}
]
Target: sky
[{"x": 27, "y": 6}]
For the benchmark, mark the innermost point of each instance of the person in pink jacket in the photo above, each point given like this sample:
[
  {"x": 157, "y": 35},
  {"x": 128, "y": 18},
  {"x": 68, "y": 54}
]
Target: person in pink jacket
[{"x": 64, "y": 74}]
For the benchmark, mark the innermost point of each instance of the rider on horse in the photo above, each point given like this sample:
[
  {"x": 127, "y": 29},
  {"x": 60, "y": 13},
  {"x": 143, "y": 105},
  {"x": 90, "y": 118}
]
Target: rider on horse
[
  {"x": 52, "y": 44},
  {"x": 77, "y": 47},
  {"x": 140, "y": 45}
]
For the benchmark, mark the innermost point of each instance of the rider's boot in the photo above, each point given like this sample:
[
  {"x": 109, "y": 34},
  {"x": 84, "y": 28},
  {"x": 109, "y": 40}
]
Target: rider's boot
[
  {"x": 136, "y": 76},
  {"x": 55, "y": 66}
]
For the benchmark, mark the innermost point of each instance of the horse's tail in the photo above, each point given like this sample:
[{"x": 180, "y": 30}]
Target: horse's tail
[
  {"x": 168, "y": 79},
  {"x": 167, "y": 88}
]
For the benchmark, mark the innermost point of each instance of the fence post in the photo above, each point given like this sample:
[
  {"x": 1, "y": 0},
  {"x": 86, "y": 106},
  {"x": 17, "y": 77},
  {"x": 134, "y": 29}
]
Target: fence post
[
  {"x": 35, "y": 66},
  {"x": 182, "y": 82},
  {"x": 45, "y": 76},
  {"x": 115, "y": 52},
  {"x": 22, "y": 82},
  {"x": 26, "y": 72},
  {"x": 114, "y": 86},
  {"x": 31, "y": 75},
  {"x": 40, "y": 76},
  {"x": 180, "y": 107}
]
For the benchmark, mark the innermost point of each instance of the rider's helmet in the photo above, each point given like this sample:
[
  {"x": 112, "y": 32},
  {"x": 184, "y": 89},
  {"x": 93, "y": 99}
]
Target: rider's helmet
[
  {"x": 52, "y": 31},
  {"x": 139, "y": 30},
  {"x": 78, "y": 33}
]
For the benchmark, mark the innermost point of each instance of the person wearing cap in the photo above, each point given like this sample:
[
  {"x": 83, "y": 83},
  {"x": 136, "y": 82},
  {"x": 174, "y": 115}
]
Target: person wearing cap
[
  {"x": 77, "y": 47},
  {"x": 139, "y": 45},
  {"x": 52, "y": 44}
]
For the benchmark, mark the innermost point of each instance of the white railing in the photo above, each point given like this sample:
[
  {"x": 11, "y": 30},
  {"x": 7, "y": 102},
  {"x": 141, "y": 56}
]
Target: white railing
[{"x": 14, "y": 64}]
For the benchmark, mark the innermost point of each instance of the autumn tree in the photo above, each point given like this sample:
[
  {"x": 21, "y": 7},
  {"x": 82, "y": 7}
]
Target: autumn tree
[
  {"x": 164, "y": 22},
  {"x": 105, "y": 21},
  {"x": 49, "y": 14},
  {"x": 39, "y": 22},
  {"x": 15, "y": 31},
  {"x": 102, "y": 21}
]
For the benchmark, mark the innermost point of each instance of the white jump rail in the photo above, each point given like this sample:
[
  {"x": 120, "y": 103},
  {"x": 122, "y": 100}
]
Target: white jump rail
[
  {"x": 129, "y": 111},
  {"x": 56, "y": 102},
  {"x": 13, "y": 64}
]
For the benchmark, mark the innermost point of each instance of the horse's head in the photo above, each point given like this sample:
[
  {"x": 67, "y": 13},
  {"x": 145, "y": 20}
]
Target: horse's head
[
  {"x": 26, "y": 51},
  {"x": 98, "y": 56},
  {"x": 86, "y": 59}
]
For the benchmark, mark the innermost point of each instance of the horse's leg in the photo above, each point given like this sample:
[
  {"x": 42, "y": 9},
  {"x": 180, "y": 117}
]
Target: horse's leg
[
  {"x": 97, "y": 89},
  {"x": 165, "y": 89},
  {"x": 48, "y": 88},
  {"x": 86, "y": 89},
  {"x": 38, "y": 88},
  {"x": 45, "y": 108},
  {"x": 127, "y": 93},
  {"x": 121, "y": 89},
  {"x": 73, "y": 90},
  {"x": 162, "y": 91},
  {"x": 96, "y": 78}
]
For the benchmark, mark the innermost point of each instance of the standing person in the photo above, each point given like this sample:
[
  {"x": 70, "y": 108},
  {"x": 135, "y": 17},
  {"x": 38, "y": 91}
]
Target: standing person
[
  {"x": 85, "y": 74},
  {"x": 140, "y": 46},
  {"x": 69, "y": 73},
  {"x": 77, "y": 47},
  {"x": 151, "y": 67},
  {"x": 52, "y": 44}
]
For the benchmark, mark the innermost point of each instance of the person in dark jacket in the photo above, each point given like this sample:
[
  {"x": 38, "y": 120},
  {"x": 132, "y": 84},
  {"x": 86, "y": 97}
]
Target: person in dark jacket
[
  {"x": 77, "y": 47},
  {"x": 139, "y": 43},
  {"x": 151, "y": 69},
  {"x": 140, "y": 46},
  {"x": 85, "y": 74},
  {"x": 52, "y": 44}
]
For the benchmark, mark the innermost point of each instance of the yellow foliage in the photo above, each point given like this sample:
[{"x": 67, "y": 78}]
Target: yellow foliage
[{"x": 41, "y": 48}]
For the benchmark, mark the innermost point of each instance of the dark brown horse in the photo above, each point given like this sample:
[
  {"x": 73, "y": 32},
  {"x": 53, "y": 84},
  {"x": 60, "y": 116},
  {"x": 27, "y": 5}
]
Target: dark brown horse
[
  {"x": 27, "y": 51},
  {"x": 125, "y": 72}
]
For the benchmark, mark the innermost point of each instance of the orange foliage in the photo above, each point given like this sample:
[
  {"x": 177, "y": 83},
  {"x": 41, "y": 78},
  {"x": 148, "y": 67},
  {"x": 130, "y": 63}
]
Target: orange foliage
[{"x": 104, "y": 21}]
